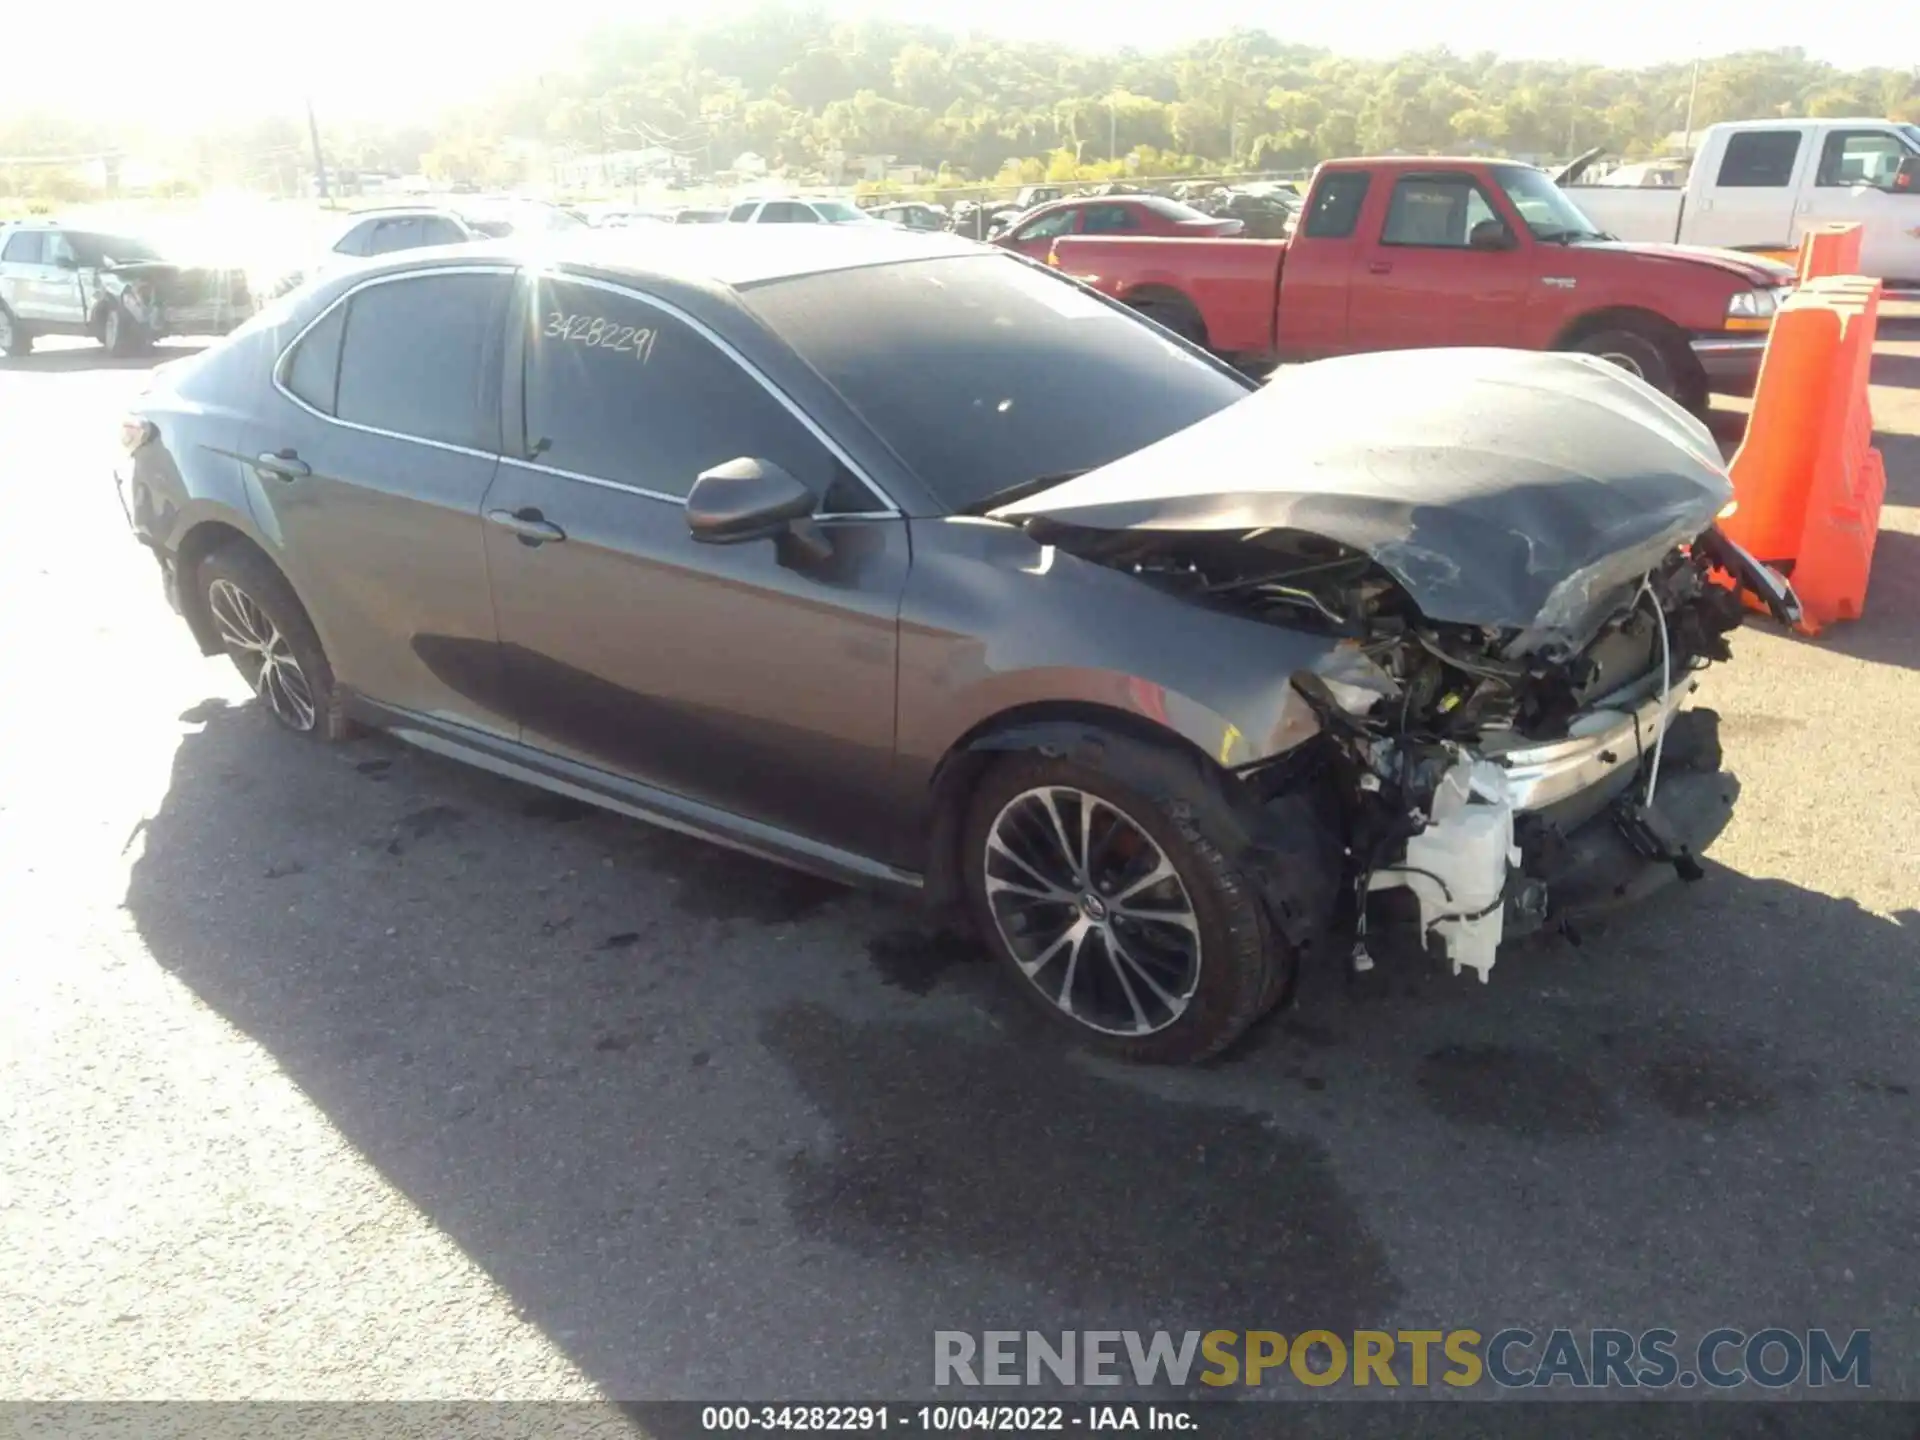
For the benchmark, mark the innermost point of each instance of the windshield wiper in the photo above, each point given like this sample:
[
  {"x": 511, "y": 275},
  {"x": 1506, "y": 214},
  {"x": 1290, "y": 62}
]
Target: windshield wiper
[{"x": 1020, "y": 490}]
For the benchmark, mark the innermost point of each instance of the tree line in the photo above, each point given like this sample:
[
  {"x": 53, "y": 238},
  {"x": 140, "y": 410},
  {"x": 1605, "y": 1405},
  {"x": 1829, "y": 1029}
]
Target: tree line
[{"x": 802, "y": 90}]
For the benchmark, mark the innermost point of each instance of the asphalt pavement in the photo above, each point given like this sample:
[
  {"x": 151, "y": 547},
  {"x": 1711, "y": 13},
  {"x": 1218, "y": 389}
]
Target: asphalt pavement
[{"x": 352, "y": 1073}]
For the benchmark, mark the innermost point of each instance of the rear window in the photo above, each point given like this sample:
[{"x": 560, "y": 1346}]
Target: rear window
[
  {"x": 1334, "y": 208},
  {"x": 24, "y": 247},
  {"x": 1759, "y": 159},
  {"x": 983, "y": 371}
]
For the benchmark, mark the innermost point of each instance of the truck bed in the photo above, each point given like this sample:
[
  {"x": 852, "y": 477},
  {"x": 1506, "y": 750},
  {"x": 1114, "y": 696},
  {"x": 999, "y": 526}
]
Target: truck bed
[
  {"x": 1234, "y": 284},
  {"x": 1633, "y": 212}
]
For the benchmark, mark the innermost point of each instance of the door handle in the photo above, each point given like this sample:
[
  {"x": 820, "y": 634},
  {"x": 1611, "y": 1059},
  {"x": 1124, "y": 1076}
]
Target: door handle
[
  {"x": 282, "y": 465},
  {"x": 529, "y": 524},
  {"x": 1379, "y": 267}
]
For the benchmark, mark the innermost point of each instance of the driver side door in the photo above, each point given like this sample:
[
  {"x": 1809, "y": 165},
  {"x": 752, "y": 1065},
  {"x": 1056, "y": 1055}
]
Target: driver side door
[{"x": 750, "y": 677}]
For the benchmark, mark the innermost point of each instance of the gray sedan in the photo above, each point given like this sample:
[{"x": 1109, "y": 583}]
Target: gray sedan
[{"x": 908, "y": 562}]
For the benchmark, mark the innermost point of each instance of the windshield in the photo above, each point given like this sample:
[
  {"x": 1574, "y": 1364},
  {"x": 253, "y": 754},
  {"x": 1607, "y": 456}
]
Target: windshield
[
  {"x": 1912, "y": 134},
  {"x": 1544, "y": 206},
  {"x": 838, "y": 212},
  {"x": 97, "y": 250},
  {"x": 983, "y": 372}
]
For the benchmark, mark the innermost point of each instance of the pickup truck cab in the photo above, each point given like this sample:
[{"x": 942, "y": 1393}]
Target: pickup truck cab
[
  {"x": 1412, "y": 252},
  {"x": 1760, "y": 184}
]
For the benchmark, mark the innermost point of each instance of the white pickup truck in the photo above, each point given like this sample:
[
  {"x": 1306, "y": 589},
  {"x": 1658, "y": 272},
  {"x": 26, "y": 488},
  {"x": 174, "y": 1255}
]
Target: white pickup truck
[{"x": 1760, "y": 184}]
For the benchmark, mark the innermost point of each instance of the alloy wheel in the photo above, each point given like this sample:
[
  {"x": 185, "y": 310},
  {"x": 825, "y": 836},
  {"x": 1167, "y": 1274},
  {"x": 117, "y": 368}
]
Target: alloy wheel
[
  {"x": 1625, "y": 362},
  {"x": 1092, "y": 910},
  {"x": 263, "y": 655}
]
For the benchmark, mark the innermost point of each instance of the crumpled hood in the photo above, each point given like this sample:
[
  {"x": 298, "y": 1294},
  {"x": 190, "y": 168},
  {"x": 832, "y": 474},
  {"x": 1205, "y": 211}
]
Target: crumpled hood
[
  {"x": 1755, "y": 270},
  {"x": 1498, "y": 487}
]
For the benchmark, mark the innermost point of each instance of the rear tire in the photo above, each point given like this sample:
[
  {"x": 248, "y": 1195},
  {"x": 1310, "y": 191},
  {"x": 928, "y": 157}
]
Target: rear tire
[
  {"x": 15, "y": 338},
  {"x": 1178, "y": 315},
  {"x": 271, "y": 641},
  {"x": 1177, "y": 986}
]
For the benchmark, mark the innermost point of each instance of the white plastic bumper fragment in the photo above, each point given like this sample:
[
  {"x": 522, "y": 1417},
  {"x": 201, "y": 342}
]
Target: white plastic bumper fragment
[{"x": 1457, "y": 866}]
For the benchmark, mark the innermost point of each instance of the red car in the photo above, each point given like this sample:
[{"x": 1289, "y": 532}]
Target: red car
[{"x": 1034, "y": 232}]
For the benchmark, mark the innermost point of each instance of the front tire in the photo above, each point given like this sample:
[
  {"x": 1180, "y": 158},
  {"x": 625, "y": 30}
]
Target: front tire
[
  {"x": 122, "y": 334},
  {"x": 267, "y": 635},
  {"x": 1639, "y": 354},
  {"x": 1120, "y": 916}
]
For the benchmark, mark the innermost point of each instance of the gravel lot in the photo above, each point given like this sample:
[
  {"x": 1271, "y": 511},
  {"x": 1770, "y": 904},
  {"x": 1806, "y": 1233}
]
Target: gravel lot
[{"x": 354, "y": 1074}]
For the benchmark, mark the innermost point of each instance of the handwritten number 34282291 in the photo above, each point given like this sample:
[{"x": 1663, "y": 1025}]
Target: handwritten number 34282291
[{"x": 596, "y": 331}]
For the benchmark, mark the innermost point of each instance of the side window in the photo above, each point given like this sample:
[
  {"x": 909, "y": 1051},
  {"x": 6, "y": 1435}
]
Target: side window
[
  {"x": 354, "y": 242},
  {"x": 1060, "y": 222},
  {"x": 1759, "y": 159},
  {"x": 313, "y": 370},
  {"x": 401, "y": 232},
  {"x": 25, "y": 247},
  {"x": 743, "y": 212},
  {"x": 420, "y": 357},
  {"x": 621, "y": 391},
  {"x": 1435, "y": 211},
  {"x": 438, "y": 230},
  {"x": 1859, "y": 157},
  {"x": 1109, "y": 220},
  {"x": 59, "y": 250},
  {"x": 1335, "y": 208},
  {"x": 787, "y": 212}
]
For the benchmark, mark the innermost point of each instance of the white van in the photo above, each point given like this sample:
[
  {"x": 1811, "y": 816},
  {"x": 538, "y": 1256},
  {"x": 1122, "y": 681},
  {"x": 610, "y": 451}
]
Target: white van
[{"x": 1759, "y": 185}]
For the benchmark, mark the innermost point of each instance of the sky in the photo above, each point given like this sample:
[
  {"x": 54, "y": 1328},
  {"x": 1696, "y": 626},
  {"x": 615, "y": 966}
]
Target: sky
[{"x": 204, "y": 60}]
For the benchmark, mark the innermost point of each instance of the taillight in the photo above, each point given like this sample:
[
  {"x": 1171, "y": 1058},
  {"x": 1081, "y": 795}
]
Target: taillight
[{"x": 135, "y": 431}]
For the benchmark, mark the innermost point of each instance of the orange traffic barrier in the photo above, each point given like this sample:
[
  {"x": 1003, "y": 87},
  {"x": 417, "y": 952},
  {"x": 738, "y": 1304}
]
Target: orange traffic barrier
[
  {"x": 1807, "y": 482},
  {"x": 1830, "y": 249}
]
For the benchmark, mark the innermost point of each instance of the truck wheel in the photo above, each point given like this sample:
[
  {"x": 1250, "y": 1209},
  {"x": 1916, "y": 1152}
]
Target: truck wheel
[
  {"x": 1119, "y": 914},
  {"x": 1636, "y": 353},
  {"x": 15, "y": 338},
  {"x": 1179, "y": 316}
]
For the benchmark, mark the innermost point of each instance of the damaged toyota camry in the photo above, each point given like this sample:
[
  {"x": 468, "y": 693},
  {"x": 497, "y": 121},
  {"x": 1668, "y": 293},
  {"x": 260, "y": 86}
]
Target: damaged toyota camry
[{"x": 906, "y": 562}]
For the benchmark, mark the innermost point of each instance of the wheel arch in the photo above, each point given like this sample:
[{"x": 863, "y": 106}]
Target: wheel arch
[
  {"x": 1150, "y": 295},
  {"x": 1636, "y": 318},
  {"x": 193, "y": 547}
]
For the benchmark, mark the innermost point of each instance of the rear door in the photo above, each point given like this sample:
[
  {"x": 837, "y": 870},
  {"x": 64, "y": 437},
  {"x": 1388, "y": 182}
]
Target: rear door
[
  {"x": 22, "y": 274},
  {"x": 754, "y": 677},
  {"x": 1748, "y": 199},
  {"x": 368, "y": 470},
  {"x": 1422, "y": 282}
]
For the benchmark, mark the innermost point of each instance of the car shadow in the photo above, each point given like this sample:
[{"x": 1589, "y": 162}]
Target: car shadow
[
  {"x": 87, "y": 356},
  {"x": 726, "y": 1132}
]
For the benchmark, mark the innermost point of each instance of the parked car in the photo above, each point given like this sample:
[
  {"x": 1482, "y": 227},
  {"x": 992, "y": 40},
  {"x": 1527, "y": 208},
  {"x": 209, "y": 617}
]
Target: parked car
[
  {"x": 697, "y": 215},
  {"x": 913, "y": 214},
  {"x": 1761, "y": 184},
  {"x": 380, "y": 231},
  {"x": 1035, "y": 231},
  {"x": 981, "y": 219},
  {"x": 775, "y": 540},
  {"x": 499, "y": 216},
  {"x": 59, "y": 279},
  {"x": 1407, "y": 252},
  {"x": 796, "y": 210}
]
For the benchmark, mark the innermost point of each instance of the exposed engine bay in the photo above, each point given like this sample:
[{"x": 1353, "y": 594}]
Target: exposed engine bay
[
  {"x": 1423, "y": 720},
  {"x": 1513, "y": 561}
]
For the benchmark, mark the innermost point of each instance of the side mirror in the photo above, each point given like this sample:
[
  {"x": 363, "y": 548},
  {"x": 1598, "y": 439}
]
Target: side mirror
[
  {"x": 752, "y": 499},
  {"x": 1906, "y": 180},
  {"x": 1491, "y": 235}
]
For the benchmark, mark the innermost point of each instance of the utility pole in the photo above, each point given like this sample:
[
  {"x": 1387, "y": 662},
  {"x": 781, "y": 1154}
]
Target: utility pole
[
  {"x": 1113, "y": 131},
  {"x": 319, "y": 160},
  {"x": 1693, "y": 90}
]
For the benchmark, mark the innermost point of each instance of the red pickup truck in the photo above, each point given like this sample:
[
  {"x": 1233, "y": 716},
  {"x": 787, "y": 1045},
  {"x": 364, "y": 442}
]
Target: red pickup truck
[{"x": 1407, "y": 252}]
